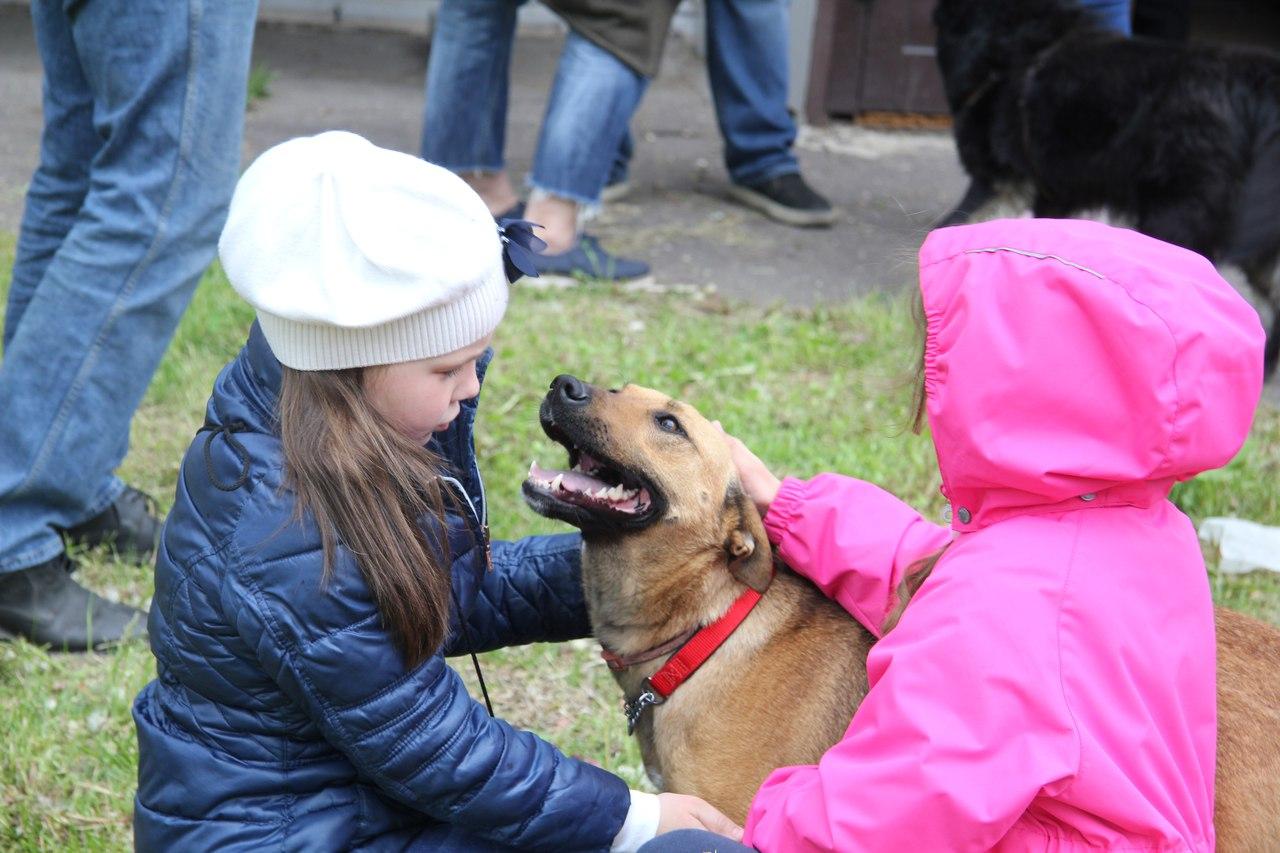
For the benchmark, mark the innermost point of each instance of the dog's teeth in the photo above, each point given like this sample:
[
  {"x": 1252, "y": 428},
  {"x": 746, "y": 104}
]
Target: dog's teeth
[{"x": 557, "y": 482}]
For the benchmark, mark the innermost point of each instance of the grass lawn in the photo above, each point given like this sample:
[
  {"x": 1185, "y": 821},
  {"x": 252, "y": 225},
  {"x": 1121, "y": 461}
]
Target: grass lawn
[{"x": 812, "y": 390}]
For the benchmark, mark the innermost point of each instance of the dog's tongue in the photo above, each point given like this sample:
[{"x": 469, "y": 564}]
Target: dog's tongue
[{"x": 578, "y": 487}]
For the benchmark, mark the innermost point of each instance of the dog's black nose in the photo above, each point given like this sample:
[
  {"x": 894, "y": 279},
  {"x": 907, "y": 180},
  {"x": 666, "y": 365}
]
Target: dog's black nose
[{"x": 571, "y": 389}]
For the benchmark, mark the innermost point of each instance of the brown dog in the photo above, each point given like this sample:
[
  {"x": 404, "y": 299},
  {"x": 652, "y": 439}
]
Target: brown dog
[{"x": 670, "y": 540}]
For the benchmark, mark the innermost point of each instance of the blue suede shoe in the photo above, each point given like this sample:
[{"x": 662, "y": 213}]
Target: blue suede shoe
[{"x": 587, "y": 259}]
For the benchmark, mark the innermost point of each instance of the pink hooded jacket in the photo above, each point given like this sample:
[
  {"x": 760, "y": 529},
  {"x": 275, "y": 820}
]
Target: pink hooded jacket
[{"x": 1051, "y": 685}]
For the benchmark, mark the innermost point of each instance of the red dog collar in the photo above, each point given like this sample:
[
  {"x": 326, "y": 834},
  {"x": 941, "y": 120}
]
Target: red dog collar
[{"x": 693, "y": 653}]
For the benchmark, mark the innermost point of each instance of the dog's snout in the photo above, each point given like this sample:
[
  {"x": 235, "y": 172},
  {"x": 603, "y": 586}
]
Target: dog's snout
[{"x": 571, "y": 389}]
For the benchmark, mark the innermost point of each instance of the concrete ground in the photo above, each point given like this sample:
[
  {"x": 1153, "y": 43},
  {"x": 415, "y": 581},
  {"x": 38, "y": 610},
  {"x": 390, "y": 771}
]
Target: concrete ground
[{"x": 889, "y": 186}]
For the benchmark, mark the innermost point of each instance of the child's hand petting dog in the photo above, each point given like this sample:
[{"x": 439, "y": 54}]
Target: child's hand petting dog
[
  {"x": 681, "y": 811},
  {"x": 760, "y": 483}
]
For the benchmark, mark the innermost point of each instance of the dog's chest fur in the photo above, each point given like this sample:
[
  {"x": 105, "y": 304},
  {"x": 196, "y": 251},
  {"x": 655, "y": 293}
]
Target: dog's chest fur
[{"x": 779, "y": 691}]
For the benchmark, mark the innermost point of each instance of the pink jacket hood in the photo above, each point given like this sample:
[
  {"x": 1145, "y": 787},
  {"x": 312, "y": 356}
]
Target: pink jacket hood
[{"x": 1068, "y": 360}]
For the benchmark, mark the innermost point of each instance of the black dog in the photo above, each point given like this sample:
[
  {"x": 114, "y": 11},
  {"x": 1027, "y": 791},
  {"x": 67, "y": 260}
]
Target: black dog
[{"x": 1183, "y": 141}]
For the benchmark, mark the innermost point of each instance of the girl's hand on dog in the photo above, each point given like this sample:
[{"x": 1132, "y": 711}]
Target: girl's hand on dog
[
  {"x": 758, "y": 481},
  {"x": 681, "y": 811}
]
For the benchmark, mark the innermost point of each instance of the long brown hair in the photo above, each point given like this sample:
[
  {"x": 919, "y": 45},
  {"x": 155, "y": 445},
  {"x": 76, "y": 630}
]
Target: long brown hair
[
  {"x": 918, "y": 399},
  {"x": 369, "y": 487},
  {"x": 918, "y": 572}
]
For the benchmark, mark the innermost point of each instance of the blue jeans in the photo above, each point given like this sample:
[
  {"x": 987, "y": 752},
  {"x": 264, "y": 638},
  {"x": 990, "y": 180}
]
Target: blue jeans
[
  {"x": 592, "y": 99},
  {"x": 693, "y": 841},
  {"x": 1113, "y": 14},
  {"x": 143, "y": 110},
  {"x": 747, "y": 58}
]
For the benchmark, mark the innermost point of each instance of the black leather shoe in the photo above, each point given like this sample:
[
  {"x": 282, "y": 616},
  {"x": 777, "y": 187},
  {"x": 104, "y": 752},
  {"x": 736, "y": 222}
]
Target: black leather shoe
[
  {"x": 786, "y": 198},
  {"x": 129, "y": 526},
  {"x": 46, "y": 605}
]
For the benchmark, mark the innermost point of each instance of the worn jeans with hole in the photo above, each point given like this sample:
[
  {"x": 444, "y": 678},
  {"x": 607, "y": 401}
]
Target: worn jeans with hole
[
  {"x": 143, "y": 111},
  {"x": 464, "y": 129}
]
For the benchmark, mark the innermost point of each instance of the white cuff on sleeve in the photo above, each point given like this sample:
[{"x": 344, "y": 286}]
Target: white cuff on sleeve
[{"x": 641, "y": 824}]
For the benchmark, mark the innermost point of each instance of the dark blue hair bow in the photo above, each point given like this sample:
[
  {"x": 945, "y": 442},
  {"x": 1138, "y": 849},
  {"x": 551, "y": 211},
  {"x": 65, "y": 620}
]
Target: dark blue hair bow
[{"x": 519, "y": 245}]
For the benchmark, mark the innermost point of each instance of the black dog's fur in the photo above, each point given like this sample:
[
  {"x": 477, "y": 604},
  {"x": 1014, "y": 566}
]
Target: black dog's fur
[{"x": 1184, "y": 140}]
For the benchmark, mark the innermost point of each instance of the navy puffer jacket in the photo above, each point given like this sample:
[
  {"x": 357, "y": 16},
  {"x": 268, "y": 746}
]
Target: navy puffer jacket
[{"x": 283, "y": 716}]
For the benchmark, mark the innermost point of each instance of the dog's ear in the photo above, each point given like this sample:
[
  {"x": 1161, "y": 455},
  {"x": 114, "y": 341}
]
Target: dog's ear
[{"x": 746, "y": 544}]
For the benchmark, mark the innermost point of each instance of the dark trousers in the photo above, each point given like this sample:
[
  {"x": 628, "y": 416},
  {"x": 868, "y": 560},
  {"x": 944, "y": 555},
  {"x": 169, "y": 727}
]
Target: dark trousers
[{"x": 694, "y": 841}]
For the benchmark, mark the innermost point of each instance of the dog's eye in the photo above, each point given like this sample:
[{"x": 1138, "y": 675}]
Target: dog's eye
[{"x": 667, "y": 423}]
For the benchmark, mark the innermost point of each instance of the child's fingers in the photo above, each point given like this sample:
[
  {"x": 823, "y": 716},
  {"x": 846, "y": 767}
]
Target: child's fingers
[{"x": 710, "y": 817}]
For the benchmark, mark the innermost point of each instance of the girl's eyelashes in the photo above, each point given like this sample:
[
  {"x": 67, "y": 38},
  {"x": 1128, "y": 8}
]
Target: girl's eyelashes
[{"x": 449, "y": 374}]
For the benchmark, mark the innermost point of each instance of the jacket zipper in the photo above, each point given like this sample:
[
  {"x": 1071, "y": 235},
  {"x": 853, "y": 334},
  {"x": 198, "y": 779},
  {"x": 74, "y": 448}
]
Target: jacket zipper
[
  {"x": 488, "y": 562},
  {"x": 482, "y": 522}
]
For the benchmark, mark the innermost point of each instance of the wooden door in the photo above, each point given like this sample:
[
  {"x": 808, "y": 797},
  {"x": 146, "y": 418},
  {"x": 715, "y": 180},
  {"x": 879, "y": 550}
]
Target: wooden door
[{"x": 874, "y": 55}]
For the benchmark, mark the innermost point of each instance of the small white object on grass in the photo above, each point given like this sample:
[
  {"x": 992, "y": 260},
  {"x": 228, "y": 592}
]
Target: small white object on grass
[{"x": 1243, "y": 546}]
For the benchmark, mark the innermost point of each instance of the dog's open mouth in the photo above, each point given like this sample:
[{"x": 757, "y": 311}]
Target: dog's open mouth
[{"x": 593, "y": 485}]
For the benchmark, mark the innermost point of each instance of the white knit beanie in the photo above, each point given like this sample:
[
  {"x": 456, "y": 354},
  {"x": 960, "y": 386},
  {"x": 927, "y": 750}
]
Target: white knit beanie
[{"x": 354, "y": 255}]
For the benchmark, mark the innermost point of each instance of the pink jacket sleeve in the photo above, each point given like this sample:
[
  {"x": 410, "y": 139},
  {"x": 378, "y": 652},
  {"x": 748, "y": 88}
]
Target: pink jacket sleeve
[
  {"x": 851, "y": 538},
  {"x": 964, "y": 726}
]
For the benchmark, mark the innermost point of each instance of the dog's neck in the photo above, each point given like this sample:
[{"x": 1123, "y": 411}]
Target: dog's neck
[{"x": 634, "y": 611}]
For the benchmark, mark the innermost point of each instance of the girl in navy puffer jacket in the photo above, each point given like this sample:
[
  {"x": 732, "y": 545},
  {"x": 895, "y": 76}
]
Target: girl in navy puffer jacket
[{"x": 328, "y": 547}]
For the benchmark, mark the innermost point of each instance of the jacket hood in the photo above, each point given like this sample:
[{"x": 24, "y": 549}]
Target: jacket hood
[{"x": 1071, "y": 364}]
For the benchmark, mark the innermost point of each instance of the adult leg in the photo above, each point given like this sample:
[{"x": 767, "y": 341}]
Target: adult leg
[
  {"x": 747, "y": 65},
  {"x": 68, "y": 145},
  {"x": 618, "y": 184},
  {"x": 167, "y": 82},
  {"x": 468, "y": 75},
  {"x": 747, "y": 59},
  {"x": 592, "y": 100}
]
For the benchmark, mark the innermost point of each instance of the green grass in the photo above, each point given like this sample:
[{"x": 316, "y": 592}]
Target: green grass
[
  {"x": 808, "y": 390},
  {"x": 259, "y": 85}
]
